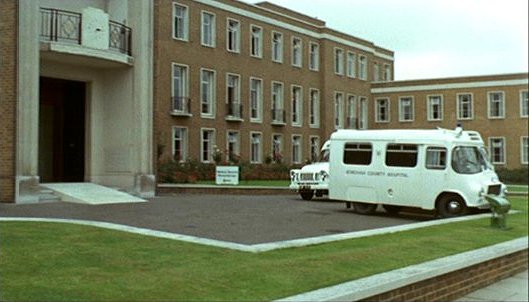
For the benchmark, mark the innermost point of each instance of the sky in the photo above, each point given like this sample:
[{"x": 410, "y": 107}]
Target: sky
[{"x": 433, "y": 38}]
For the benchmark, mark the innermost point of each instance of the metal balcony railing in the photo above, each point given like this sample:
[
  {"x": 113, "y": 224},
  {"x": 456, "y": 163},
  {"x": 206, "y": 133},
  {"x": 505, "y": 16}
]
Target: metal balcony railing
[
  {"x": 180, "y": 105},
  {"x": 234, "y": 111},
  {"x": 278, "y": 117},
  {"x": 65, "y": 26}
]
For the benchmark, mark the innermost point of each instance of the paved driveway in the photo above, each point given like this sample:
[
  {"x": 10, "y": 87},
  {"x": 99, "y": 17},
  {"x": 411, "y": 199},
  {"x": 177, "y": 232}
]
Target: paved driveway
[{"x": 235, "y": 218}]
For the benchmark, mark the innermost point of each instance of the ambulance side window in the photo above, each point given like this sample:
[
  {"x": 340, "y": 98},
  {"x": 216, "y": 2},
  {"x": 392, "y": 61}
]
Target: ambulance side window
[
  {"x": 401, "y": 155},
  {"x": 357, "y": 154},
  {"x": 436, "y": 158}
]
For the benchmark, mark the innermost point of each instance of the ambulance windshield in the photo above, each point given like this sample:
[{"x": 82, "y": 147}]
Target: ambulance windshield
[{"x": 470, "y": 160}]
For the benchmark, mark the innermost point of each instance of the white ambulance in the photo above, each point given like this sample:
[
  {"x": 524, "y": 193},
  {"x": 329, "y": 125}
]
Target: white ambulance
[
  {"x": 443, "y": 170},
  {"x": 312, "y": 179}
]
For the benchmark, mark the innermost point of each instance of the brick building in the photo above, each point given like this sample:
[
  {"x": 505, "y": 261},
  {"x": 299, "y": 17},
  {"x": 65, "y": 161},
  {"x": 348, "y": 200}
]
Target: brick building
[{"x": 137, "y": 82}]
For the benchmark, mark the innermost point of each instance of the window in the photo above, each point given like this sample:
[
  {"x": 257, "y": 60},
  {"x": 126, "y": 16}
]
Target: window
[
  {"x": 357, "y": 154},
  {"x": 233, "y": 93},
  {"x": 181, "y": 21},
  {"x": 351, "y": 112},
  {"x": 525, "y": 150},
  {"x": 497, "y": 150},
  {"x": 387, "y": 72},
  {"x": 314, "y": 148},
  {"x": 207, "y": 144},
  {"x": 436, "y": 158},
  {"x": 406, "y": 112},
  {"x": 297, "y": 51},
  {"x": 208, "y": 29},
  {"x": 256, "y": 99},
  {"x": 469, "y": 160},
  {"x": 180, "y": 83},
  {"x": 362, "y": 113},
  {"x": 256, "y": 41},
  {"x": 382, "y": 110},
  {"x": 233, "y": 35},
  {"x": 435, "y": 107},
  {"x": 338, "y": 111},
  {"x": 255, "y": 147},
  {"x": 277, "y": 47},
  {"x": 376, "y": 72},
  {"x": 277, "y": 102},
  {"x": 338, "y": 61},
  {"x": 464, "y": 106},
  {"x": 233, "y": 146},
  {"x": 179, "y": 144},
  {"x": 314, "y": 108},
  {"x": 496, "y": 104},
  {"x": 296, "y": 149},
  {"x": 362, "y": 72},
  {"x": 314, "y": 56},
  {"x": 277, "y": 148},
  {"x": 351, "y": 64},
  {"x": 207, "y": 93},
  {"x": 401, "y": 155},
  {"x": 296, "y": 105},
  {"x": 524, "y": 104}
]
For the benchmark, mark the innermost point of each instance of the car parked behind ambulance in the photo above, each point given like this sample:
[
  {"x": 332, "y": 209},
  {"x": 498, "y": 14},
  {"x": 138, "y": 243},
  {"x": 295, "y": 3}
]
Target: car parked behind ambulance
[{"x": 443, "y": 170}]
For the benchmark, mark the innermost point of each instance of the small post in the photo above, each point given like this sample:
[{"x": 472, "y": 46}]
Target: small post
[{"x": 499, "y": 207}]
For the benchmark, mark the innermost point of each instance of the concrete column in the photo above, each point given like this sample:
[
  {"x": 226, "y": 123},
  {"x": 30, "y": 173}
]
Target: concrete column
[{"x": 28, "y": 102}]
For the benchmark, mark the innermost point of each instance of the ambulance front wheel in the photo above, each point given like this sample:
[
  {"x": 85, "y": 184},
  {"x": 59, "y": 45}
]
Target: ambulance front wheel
[
  {"x": 306, "y": 195},
  {"x": 364, "y": 208},
  {"x": 451, "y": 205}
]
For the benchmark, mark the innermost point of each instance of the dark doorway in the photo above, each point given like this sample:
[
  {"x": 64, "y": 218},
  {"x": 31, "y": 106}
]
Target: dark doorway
[{"x": 61, "y": 130}]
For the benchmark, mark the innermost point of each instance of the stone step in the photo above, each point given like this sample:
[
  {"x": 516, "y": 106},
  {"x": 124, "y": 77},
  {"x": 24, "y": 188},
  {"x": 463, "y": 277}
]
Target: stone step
[{"x": 89, "y": 193}]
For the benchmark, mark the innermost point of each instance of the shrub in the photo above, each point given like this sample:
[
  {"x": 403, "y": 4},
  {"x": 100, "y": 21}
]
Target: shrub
[{"x": 514, "y": 176}]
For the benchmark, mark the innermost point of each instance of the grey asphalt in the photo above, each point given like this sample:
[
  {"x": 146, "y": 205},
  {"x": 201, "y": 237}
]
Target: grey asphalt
[{"x": 234, "y": 218}]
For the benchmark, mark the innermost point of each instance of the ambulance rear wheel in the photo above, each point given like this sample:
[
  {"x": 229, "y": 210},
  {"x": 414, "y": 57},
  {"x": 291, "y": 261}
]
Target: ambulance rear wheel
[
  {"x": 306, "y": 195},
  {"x": 451, "y": 205},
  {"x": 391, "y": 209},
  {"x": 364, "y": 208}
]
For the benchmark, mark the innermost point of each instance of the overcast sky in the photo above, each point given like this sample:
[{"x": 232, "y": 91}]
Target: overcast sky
[{"x": 433, "y": 38}]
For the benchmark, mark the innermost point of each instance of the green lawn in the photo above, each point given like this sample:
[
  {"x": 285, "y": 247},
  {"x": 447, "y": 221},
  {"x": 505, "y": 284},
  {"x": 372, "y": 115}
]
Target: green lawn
[
  {"x": 259, "y": 183},
  {"x": 62, "y": 262},
  {"x": 517, "y": 188}
]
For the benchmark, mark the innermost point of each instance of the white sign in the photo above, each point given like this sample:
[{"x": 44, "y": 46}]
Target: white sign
[{"x": 227, "y": 175}]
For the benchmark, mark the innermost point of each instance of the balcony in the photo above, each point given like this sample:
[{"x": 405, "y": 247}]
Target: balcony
[
  {"x": 180, "y": 106},
  {"x": 65, "y": 33},
  {"x": 278, "y": 117},
  {"x": 234, "y": 112}
]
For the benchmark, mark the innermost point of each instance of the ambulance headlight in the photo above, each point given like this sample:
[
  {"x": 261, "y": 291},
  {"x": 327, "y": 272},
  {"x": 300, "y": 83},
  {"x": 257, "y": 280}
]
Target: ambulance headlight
[
  {"x": 482, "y": 192},
  {"x": 324, "y": 175},
  {"x": 293, "y": 175}
]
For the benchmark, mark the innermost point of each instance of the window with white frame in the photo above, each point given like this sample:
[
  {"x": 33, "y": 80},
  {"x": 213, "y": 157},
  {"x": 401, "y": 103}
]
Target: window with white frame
[
  {"x": 207, "y": 144},
  {"x": 362, "y": 72},
  {"x": 255, "y": 147},
  {"x": 180, "y": 21},
  {"x": 208, "y": 29},
  {"x": 277, "y": 47},
  {"x": 179, "y": 144},
  {"x": 382, "y": 110},
  {"x": 524, "y": 104},
  {"x": 233, "y": 35},
  {"x": 465, "y": 109},
  {"x": 296, "y": 105},
  {"x": 362, "y": 113},
  {"x": 376, "y": 72},
  {"x": 435, "y": 107},
  {"x": 351, "y": 64},
  {"x": 338, "y": 110},
  {"x": 406, "y": 110},
  {"x": 180, "y": 83},
  {"x": 314, "y": 56},
  {"x": 207, "y": 93},
  {"x": 338, "y": 61},
  {"x": 256, "y": 41},
  {"x": 387, "y": 72},
  {"x": 297, "y": 52},
  {"x": 296, "y": 149},
  {"x": 314, "y": 108},
  {"x": 314, "y": 148},
  {"x": 524, "y": 150},
  {"x": 256, "y": 99},
  {"x": 496, "y": 102},
  {"x": 233, "y": 143},
  {"x": 277, "y": 102},
  {"x": 277, "y": 148},
  {"x": 497, "y": 150},
  {"x": 351, "y": 112},
  {"x": 233, "y": 95}
]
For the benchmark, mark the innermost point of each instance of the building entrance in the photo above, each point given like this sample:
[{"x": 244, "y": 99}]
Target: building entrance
[{"x": 62, "y": 130}]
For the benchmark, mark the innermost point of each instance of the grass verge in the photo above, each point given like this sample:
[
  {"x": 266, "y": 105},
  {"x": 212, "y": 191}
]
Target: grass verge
[{"x": 61, "y": 262}]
